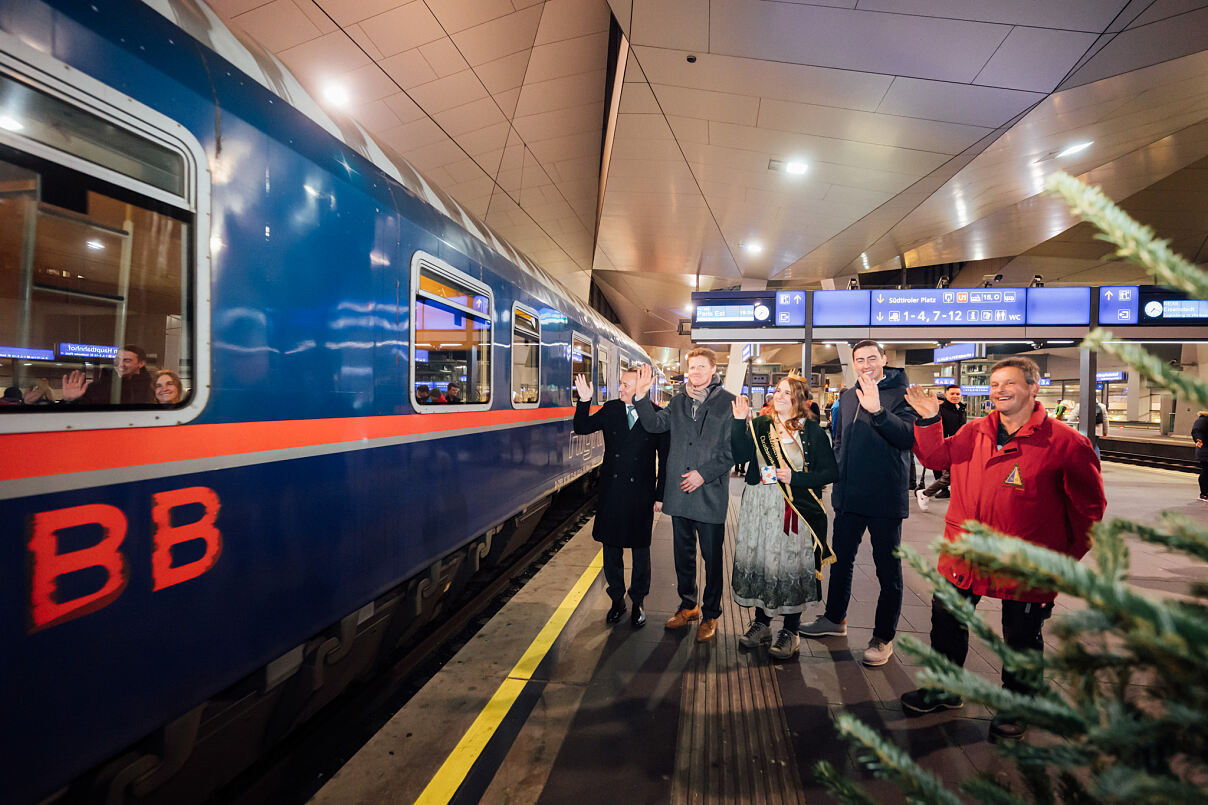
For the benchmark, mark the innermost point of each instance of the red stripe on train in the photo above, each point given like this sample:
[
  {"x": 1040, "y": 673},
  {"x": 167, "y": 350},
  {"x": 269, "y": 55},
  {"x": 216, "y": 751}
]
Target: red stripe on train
[{"x": 36, "y": 455}]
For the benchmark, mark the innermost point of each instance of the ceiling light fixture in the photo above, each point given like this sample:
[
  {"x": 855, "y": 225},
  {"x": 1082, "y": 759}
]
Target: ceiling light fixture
[
  {"x": 336, "y": 95},
  {"x": 95, "y": 245},
  {"x": 752, "y": 246},
  {"x": 796, "y": 168},
  {"x": 10, "y": 123},
  {"x": 1075, "y": 148}
]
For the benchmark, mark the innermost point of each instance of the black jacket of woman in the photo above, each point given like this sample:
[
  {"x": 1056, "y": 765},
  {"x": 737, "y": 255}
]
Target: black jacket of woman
[{"x": 629, "y": 480}]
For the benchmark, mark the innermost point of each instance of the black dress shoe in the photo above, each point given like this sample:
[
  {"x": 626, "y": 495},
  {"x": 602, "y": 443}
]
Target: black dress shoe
[
  {"x": 638, "y": 619},
  {"x": 615, "y": 613}
]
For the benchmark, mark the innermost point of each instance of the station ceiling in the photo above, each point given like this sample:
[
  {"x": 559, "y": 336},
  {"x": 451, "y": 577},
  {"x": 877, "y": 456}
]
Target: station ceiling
[{"x": 925, "y": 128}]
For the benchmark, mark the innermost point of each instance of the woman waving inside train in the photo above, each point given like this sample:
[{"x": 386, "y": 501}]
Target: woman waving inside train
[{"x": 781, "y": 545}]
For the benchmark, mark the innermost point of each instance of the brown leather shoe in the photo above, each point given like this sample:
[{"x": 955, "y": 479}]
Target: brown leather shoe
[
  {"x": 707, "y": 630},
  {"x": 682, "y": 618}
]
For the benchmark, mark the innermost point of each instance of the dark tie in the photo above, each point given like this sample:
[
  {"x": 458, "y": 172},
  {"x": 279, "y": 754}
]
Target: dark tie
[{"x": 632, "y": 414}]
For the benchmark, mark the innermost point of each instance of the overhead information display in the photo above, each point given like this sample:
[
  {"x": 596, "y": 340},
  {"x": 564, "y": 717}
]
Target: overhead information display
[
  {"x": 980, "y": 306},
  {"x": 1059, "y": 306},
  {"x": 841, "y": 308},
  {"x": 747, "y": 309},
  {"x": 1149, "y": 305}
]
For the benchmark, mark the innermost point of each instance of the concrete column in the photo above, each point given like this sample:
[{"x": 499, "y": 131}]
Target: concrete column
[{"x": 1134, "y": 397}]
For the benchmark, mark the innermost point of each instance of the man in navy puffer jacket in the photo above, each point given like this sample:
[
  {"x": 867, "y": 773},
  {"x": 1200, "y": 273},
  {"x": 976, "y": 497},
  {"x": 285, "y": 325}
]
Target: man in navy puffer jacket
[{"x": 873, "y": 433}]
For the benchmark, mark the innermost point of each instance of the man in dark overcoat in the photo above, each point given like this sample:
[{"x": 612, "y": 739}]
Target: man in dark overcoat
[
  {"x": 699, "y": 464},
  {"x": 631, "y": 491}
]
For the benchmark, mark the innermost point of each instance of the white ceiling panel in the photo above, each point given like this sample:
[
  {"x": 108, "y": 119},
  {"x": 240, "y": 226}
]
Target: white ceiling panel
[
  {"x": 560, "y": 122},
  {"x": 1073, "y": 15},
  {"x": 319, "y": 59},
  {"x": 402, "y": 28},
  {"x": 707, "y": 105},
  {"x": 408, "y": 69},
  {"x": 955, "y": 103},
  {"x": 639, "y": 99},
  {"x": 571, "y": 19},
  {"x": 458, "y": 15},
  {"x": 347, "y": 12},
  {"x": 880, "y": 129},
  {"x": 679, "y": 24},
  {"x": 278, "y": 25},
  {"x": 871, "y": 42},
  {"x": 448, "y": 93},
  {"x": 1035, "y": 59},
  {"x": 567, "y": 57},
  {"x": 442, "y": 56},
  {"x": 498, "y": 38},
  {"x": 752, "y": 76},
  {"x": 1140, "y": 47},
  {"x": 561, "y": 93}
]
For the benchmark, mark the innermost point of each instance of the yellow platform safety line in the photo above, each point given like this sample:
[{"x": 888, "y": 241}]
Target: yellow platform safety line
[{"x": 453, "y": 771}]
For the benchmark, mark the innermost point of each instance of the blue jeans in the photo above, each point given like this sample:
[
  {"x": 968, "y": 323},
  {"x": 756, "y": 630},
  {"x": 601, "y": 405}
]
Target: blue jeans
[{"x": 885, "y": 534}]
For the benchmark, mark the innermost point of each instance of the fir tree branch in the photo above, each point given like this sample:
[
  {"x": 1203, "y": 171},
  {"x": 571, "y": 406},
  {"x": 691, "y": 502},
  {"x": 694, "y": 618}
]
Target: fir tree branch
[
  {"x": 891, "y": 762},
  {"x": 1154, "y": 369},
  {"x": 1028, "y": 665},
  {"x": 1134, "y": 242},
  {"x": 842, "y": 788},
  {"x": 1182, "y": 535},
  {"x": 1124, "y": 784},
  {"x": 991, "y": 792},
  {"x": 1110, "y": 550}
]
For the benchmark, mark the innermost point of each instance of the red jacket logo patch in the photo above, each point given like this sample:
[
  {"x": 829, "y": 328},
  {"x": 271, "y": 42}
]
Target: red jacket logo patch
[{"x": 1014, "y": 478}]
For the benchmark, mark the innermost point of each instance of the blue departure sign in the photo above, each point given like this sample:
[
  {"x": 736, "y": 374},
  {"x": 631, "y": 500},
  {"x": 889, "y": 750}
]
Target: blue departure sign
[
  {"x": 790, "y": 309},
  {"x": 975, "y": 306},
  {"x": 954, "y": 352},
  {"x": 975, "y": 390},
  {"x": 1068, "y": 306},
  {"x": 746, "y": 309},
  {"x": 841, "y": 308},
  {"x": 1118, "y": 304}
]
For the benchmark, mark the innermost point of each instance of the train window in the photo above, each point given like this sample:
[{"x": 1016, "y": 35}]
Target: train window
[
  {"x": 602, "y": 388},
  {"x": 580, "y": 363},
  {"x": 526, "y": 357},
  {"x": 451, "y": 337},
  {"x": 95, "y": 263}
]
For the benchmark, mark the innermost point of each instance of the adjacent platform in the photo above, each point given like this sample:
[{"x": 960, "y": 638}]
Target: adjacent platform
[{"x": 547, "y": 704}]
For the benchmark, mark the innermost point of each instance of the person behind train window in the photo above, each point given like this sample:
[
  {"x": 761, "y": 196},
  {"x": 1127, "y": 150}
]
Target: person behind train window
[
  {"x": 699, "y": 465},
  {"x": 12, "y": 396},
  {"x": 781, "y": 544},
  {"x": 873, "y": 437},
  {"x": 453, "y": 395},
  {"x": 952, "y": 418},
  {"x": 168, "y": 388},
  {"x": 129, "y": 372},
  {"x": 631, "y": 491},
  {"x": 1199, "y": 432},
  {"x": 1022, "y": 475},
  {"x": 421, "y": 394},
  {"x": 435, "y": 397},
  {"x": 40, "y": 393}
]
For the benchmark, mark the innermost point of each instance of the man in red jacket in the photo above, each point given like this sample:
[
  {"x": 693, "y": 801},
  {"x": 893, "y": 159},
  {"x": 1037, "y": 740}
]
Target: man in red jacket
[{"x": 1023, "y": 474}]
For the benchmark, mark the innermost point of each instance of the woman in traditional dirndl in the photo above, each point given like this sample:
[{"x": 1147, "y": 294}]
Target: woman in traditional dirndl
[{"x": 781, "y": 546}]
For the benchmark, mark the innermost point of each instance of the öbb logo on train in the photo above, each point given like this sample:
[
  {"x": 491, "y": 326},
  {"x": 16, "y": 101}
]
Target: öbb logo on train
[{"x": 48, "y": 564}]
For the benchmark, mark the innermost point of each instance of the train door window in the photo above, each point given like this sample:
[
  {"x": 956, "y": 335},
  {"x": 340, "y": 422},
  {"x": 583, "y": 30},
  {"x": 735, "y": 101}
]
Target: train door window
[
  {"x": 98, "y": 258},
  {"x": 580, "y": 362},
  {"x": 603, "y": 389},
  {"x": 451, "y": 337},
  {"x": 526, "y": 357}
]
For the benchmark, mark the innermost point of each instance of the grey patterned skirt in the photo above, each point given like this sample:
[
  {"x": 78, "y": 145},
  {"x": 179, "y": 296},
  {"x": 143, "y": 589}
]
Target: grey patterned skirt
[{"x": 773, "y": 570}]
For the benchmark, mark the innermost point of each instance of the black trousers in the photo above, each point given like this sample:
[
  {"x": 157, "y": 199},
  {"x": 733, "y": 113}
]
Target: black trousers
[
  {"x": 885, "y": 534},
  {"x": 711, "y": 535},
  {"x": 614, "y": 573},
  {"x": 1022, "y": 622},
  {"x": 1203, "y": 478}
]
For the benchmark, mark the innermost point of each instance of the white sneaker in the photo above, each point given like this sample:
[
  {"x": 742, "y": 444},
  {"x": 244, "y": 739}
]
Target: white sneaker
[
  {"x": 878, "y": 652},
  {"x": 924, "y": 501},
  {"x": 786, "y": 646}
]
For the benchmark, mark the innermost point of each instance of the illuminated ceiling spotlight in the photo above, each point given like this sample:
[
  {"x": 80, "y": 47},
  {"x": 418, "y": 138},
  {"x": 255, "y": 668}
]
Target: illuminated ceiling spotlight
[
  {"x": 337, "y": 95},
  {"x": 1075, "y": 148},
  {"x": 796, "y": 168},
  {"x": 864, "y": 260},
  {"x": 751, "y": 246},
  {"x": 10, "y": 123},
  {"x": 95, "y": 245}
]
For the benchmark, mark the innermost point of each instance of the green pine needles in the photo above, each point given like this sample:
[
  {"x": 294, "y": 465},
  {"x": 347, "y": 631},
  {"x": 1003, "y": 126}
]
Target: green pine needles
[{"x": 1125, "y": 707}]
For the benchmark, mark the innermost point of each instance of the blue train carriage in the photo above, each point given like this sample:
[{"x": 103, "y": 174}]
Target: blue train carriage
[{"x": 254, "y": 545}]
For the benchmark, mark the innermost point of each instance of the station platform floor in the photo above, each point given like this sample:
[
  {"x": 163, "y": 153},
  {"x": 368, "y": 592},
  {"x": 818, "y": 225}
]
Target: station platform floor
[{"x": 548, "y": 704}]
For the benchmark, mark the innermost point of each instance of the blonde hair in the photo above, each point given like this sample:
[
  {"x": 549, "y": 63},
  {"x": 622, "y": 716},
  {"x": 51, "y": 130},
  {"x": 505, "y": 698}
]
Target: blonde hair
[{"x": 703, "y": 352}]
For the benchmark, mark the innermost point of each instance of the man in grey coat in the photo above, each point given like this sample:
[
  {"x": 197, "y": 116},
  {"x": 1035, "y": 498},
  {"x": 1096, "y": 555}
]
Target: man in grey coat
[{"x": 700, "y": 459}]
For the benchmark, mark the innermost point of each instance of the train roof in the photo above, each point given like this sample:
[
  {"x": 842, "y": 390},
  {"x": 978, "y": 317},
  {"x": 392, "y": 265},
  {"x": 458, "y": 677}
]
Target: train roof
[{"x": 268, "y": 71}]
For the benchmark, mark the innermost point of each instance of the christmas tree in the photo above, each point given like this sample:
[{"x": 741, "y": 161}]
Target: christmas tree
[{"x": 1129, "y": 720}]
